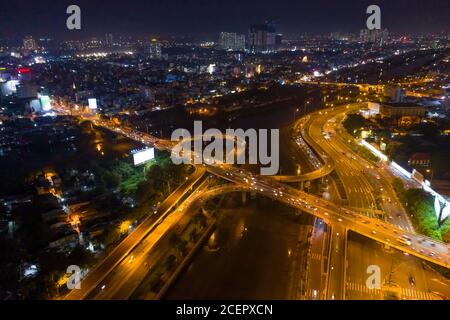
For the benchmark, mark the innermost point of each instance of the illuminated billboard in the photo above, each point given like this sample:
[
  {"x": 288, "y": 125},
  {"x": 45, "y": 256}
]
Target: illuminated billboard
[
  {"x": 365, "y": 134},
  {"x": 45, "y": 103},
  {"x": 437, "y": 206},
  {"x": 35, "y": 105},
  {"x": 92, "y": 103},
  {"x": 445, "y": 212},
  {"x": 23, "y": 70},
  {"x": 441, "y": 208},
  {"x": 140, "y": 157},
  {"x": 9, "y": 87}
]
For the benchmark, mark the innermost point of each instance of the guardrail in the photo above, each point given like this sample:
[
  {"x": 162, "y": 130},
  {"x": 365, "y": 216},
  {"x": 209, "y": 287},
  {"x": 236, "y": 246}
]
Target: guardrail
[{"x": 425, "y": 184}]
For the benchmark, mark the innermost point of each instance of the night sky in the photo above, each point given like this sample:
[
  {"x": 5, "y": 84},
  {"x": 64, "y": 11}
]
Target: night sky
[{"x": 204, "y": 19}]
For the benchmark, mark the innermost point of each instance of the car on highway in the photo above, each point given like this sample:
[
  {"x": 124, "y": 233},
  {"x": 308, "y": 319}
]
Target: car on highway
[
  {"x": 412, "y": 281},
  {"x": 404, "y": 241},
  {"x": 315, "y": 293}
]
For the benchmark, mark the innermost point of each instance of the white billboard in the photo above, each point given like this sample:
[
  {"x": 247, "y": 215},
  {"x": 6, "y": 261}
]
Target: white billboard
[
  {"x": 92, "y": 103},
  {"x": 143, "y": 156},
  {"x": 441, "y": 207},
  {"x": 45, "y": 103},
  {"x": 445, "y": 212},
  {"x": 9, "y": 87},
  {"x": 35, "y": 105}
]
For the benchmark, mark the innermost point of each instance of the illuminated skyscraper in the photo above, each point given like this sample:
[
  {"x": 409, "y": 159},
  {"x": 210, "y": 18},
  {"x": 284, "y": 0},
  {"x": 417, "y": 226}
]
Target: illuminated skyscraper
[
  {"x": 29, "y": 43},
  {"x": 262, "y": 38},
  {"x": 227, "y": 40},
  {"x": 231, "y": 41},
  {"x": 109, "y": 40},
  {"x": 153, "y": 49},
  {"x": 240, "y": 42}
]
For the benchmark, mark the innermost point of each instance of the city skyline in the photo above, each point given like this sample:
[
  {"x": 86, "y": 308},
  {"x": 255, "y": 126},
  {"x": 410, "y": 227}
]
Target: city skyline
[{"x": 204, "y": 20}]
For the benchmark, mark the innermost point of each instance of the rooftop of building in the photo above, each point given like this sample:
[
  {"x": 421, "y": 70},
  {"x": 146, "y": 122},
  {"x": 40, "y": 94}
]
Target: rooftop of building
[
  {"x": 402, "y": 105},
  {"x": 420, "y": 156}
]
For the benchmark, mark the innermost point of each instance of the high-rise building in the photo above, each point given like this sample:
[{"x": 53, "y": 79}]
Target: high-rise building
[
  {"x": 227, "y": 40},
  {"x": 240, "y": 42},
  {"x": 27, "y": 91},
  {"x": 262, "y": 38},
  {"x": 109, "y": 41},
  {"x": 152, "y": 49},
  {"x": 271, "y": 37},
  {"x": 29, "y": 43},
  {"x": 379, "y": 36},
  {"x": 257, "y": 38},
  {"x": 395, "y": 94},
  {"x": 231, "y": 41},
  {"x": 278, "y": 40},
  {"x": 339, "y": 36}
]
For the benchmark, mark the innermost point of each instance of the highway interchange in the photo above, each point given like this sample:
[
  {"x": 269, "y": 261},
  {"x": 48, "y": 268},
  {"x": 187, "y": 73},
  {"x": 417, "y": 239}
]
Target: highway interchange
[{"x": 334, "y": 154}]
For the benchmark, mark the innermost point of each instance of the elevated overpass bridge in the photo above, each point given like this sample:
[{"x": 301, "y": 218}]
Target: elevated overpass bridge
[
  {"x": 365, "y": 87},
  {"x": 417, "y": 245}
]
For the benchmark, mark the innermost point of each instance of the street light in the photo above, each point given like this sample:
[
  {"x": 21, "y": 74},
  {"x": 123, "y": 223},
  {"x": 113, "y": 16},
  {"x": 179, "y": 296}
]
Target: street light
[
  {"x": 430, "y": 171},
  {"x": 295, "y": 114}
]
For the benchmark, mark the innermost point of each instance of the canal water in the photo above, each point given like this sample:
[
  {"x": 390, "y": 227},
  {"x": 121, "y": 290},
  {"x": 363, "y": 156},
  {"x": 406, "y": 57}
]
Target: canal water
[{"x": 251, "y": 255}]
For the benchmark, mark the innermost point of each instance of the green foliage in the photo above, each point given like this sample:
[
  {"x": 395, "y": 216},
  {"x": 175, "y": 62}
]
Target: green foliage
[
  {"x": 170, "y": 262},
  {"x": 148, "y": 185},
  {"x": 367, "y": 154},
  {"x": 177, "y": 243},
  {"x": 445, "y": 231},
  {"x": 193, "y": 235},
  {"x": 110, "y": 235},
  {"x": 80, "y": 256},
  {"x": 428, "y": 129},
  {"x": 420, "y": 205},
  {"x": 354, "y": 122},
  {"x": 399, "y": 189},
  {"x": 158, "y": 175},
  {"x": 199, "y": 219},
  {"x": 52, "y": 266}
]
